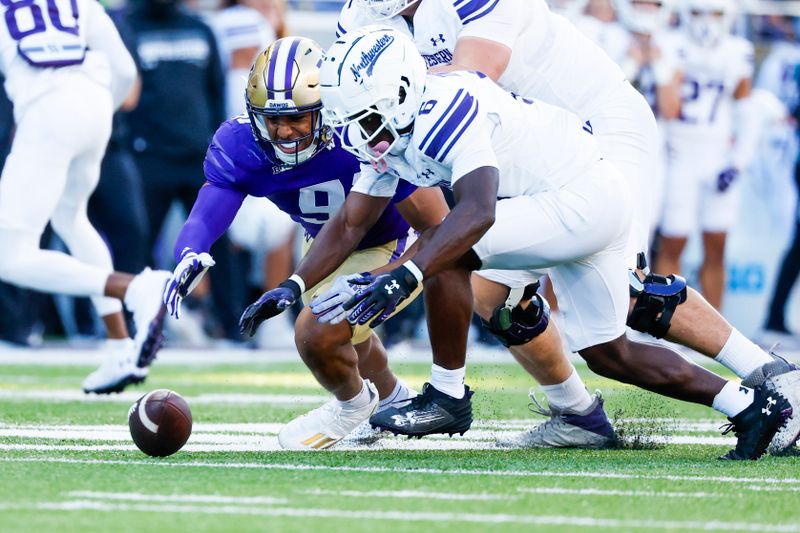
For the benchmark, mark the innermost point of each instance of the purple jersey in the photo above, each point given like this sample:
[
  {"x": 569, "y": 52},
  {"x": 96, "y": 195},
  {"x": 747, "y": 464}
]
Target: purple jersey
[{"x": 236, "y": 165}]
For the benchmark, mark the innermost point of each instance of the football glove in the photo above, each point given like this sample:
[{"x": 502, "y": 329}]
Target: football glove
[
  {"x": 328, "y": 306},
  {"x": 726, "y": 177},
  {"x": 381, "y": 298},
  {"x": 272, "y": 303},
  {"x": 185, "y": 278}
]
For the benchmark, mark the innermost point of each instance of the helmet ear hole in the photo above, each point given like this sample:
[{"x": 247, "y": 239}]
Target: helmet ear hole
[{"x": 402, "y": 94}]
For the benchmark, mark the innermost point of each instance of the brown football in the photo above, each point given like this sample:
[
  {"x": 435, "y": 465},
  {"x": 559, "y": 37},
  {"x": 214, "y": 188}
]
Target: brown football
[{"x": 160, "y": 422}]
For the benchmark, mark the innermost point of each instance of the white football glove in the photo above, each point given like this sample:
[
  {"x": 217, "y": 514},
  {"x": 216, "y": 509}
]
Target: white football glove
[
  {"x": 328, "y": 305},
  {"x": 185, "y": 278}
]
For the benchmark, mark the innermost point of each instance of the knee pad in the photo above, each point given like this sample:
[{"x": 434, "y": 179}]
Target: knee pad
[
  {"x": 512, "y": 325},
  {"x": 656, "y": 300}
]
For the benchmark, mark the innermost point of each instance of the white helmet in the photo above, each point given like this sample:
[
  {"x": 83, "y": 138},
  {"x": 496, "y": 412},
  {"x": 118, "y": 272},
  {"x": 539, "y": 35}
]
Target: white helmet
[
  {"x": 571, "y": 9},
  {"x": 373, "y": 76},
  {"x": 384, "y": 9},
  {"x": 707, "y": 21},
  {"x": 644, "y": 16}
]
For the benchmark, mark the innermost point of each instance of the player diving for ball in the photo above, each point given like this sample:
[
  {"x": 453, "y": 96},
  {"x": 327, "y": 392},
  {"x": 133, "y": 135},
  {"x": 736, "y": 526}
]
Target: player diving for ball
[
  {"x": 65, "y": 80},
  {"x": 565, "y": 212},
  {"x": 282, "y": 151},
  {"x": 536, "y": 53}
]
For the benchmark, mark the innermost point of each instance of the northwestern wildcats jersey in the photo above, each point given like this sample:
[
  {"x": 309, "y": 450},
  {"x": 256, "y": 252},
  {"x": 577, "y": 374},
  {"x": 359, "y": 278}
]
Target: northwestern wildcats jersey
[
  {"x": 710, "y": 78},
  {"x": 551, "y": 60},
  {"x": 38, "y": 38},
  {"x": 310, "y": 193},
  {"x": 466, "y": 122}
]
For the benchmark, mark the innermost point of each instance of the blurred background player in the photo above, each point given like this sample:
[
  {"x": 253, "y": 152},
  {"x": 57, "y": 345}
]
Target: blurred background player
[
  {"x": 66, "y": 79},
  {"x": 706, "y": 104},
  {"x": 283, "y": 152},
  {"x": 181, "y": 73}
]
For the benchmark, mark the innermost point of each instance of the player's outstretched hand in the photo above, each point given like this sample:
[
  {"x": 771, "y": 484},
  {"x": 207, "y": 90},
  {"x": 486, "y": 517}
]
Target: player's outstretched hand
[
  {"x": 328, "y": 306},
  {"x": 381, "y": 298},
  {"x": 272, "y": 303},
  {"x": 185, "y": 278},
  {"x": 726, "y": 177}
]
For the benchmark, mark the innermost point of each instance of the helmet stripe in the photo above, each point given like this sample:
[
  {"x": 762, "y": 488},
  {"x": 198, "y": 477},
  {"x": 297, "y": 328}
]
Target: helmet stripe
[
  {"x": 271, "y": 75},
  {"x": 288, "y": 78}
]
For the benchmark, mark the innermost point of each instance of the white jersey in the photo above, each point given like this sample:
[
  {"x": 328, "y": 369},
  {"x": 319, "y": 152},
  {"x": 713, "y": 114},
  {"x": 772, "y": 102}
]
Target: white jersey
[
  {"x": 237, "y": 28},
  {"x": 551, "y": 60},
  {"x": 710, "y": 78},
  {"x": 466, "y": 122},
  {"x": 45, "y": 42},
  {"x": 780, "y": 73},
  {"x": 612, "y": 37}
]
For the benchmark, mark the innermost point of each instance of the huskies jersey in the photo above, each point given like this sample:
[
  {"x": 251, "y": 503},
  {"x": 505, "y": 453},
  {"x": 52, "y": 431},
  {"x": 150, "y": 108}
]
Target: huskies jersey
[
  {"x": 710, "y": 78},
  {"x": 551, "y": 60},
  {"x": 37, "y": 37},
  {"x": 466, "y": 122},
  {"x": 310, "y": 193}
]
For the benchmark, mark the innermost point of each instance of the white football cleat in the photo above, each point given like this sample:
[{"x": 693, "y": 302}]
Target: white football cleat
[
  {"x": 365, "y": 435},
  {"x": 326, "y": 425},
  {"x": 117, "y": 371},
  {"x": 144, "y": 299}
]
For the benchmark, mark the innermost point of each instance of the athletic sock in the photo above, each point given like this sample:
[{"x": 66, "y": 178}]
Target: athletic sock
[
  {"x": 741, "y": 355},
  {"x": 733, "y": 399},
  {"x": 571, "y": 394},
  {"x": 359, "y": 401},
  {"x": 400, "y": 393},
  {"x": 450, "y": 382}
]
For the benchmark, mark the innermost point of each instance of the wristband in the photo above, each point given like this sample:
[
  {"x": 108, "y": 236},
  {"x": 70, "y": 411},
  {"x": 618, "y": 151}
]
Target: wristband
[
  {"x": 300, "y": 283},
  {"x": 293, "y": 286},
  {"x": 414, "y": 269}
]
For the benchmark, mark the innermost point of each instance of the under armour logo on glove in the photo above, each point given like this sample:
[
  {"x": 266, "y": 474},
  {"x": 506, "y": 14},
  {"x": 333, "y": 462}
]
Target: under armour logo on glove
[
  {"x": 381, "y": 298},
  {"x": 390, "y": 288},
  {"x": 770, "y": 403}
]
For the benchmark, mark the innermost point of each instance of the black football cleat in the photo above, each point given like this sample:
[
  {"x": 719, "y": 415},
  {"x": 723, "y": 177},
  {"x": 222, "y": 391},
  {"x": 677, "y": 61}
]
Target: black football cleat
[
  {"x": 755, "y": 426},
  {"x": 426, "y": 414}
]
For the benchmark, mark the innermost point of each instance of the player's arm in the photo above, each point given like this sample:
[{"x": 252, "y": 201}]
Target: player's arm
[
  {"x": 668, "y": 97},
  {"x": 483, "y": 55},
  {"x": 102, "y": 35},
  {"x": 211, "y": 215},
  {"x": 331, "y": 247}
]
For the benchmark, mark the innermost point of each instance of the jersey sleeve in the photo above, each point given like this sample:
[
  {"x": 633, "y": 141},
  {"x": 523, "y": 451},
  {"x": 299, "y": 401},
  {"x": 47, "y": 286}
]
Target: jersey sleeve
[
  {"x": 102, "y": 35},
  {"x": 373, "y": 183},
  {"x": 452, "y": 131},
  {"x": 224, "y": 164},
  {"x": 493, "y": 20},
  {"x": 350, "y": 18}
]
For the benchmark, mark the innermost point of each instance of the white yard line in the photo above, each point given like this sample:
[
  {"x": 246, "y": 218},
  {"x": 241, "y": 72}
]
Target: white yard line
[
  {"x": 399, "y": 470},
  {"x": 130, "y": 397},
  {"x": 439, "y": 517},
  {"x": 411, "y": 494},
  {"x": 177, "y": 498}
]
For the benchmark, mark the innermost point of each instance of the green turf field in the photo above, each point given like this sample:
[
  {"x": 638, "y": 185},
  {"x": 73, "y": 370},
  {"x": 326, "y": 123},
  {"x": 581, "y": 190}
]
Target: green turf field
[{"x": 68, "y": 464}]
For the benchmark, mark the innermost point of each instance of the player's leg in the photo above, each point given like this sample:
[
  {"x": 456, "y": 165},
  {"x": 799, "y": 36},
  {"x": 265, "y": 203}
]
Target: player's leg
[
  {"x": 575, "y": 419},
  {"x": 712, "y": 269},
  {"x": 445, "y": 400}
]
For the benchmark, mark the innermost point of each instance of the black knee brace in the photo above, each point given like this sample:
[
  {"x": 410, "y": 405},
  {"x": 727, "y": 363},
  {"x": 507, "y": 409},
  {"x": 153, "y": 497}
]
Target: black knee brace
[
  {"x": 656, "y": 300},
  {"x": 513, "y": 325}
]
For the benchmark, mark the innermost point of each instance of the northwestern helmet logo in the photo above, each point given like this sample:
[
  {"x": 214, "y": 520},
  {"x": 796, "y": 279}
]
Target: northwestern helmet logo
[{"x": 369, "y": 57}]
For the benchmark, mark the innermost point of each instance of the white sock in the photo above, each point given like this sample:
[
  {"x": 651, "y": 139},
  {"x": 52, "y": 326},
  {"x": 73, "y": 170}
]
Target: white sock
[
  {"x": 450, "y": 382},
  {"x": 400, "y": 393},
  {"x": 741, "y": 355},
  {"x": 360, "y": 400},
  {"x": 571, "y": 394},
  {"x": 733, "y": 399}
]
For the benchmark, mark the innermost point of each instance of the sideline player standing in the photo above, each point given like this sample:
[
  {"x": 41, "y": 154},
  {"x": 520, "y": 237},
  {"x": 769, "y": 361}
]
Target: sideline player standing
[
  {"x": 66, "y": 70},
  {"x": 706, "y": 103},
  {"x": 533, "y": 52},
  {"x": 461, "y": 129},
  {"x": 283, "y": 152}
]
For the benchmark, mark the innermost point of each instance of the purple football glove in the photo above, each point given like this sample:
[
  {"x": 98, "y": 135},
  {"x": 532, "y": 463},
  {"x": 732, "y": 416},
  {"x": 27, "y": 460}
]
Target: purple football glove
[
  {"x": 272, "y": 303},
  {"x": 726, "y": 177},
  {"x": 381, "y": 298}
]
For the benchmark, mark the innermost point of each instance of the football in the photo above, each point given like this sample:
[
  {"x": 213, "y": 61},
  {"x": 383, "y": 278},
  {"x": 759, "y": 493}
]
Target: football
[{"x": 160, "y": 422}]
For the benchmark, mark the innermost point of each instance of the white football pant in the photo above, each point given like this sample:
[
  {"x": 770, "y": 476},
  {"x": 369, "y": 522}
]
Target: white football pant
[{"x": 53, "y": 168}]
